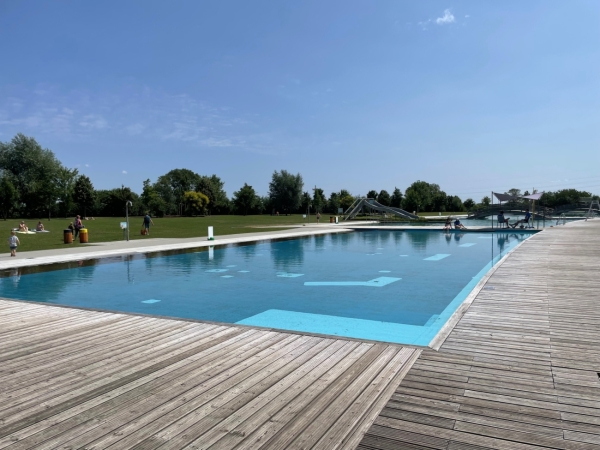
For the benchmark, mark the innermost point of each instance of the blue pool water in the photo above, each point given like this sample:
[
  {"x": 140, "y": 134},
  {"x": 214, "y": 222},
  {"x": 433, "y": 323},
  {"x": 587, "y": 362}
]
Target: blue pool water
[{"x": 393, "y": 286}]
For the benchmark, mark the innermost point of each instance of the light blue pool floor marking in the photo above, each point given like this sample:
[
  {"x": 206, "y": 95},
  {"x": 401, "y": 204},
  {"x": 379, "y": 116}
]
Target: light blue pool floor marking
[
  {"x": 436, "y": 257},
  {"x": 341, "y": 326},
  {"x": 289, "y": 275},
  {"x": 467, "y": 245},
  {"x": 384, "y": 271},
  {"x": 217, "y": 270},
  {"x": 232, "y": 265},
  {"x": 243, "y": 271},
  {"x": 226, "y": 276},
  {"x": 152, "y": 300},
  {"x": 403, "y": 255},
  {"x": 377, "y": 282}
]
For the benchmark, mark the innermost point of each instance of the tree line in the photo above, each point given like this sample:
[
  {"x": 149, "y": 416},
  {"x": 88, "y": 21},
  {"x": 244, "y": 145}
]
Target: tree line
[{"x": 34, "y": 183}]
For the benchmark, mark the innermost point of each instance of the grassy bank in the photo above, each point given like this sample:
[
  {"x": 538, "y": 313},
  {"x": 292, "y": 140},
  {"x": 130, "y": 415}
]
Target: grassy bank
[{"x": 105, "y": 229}]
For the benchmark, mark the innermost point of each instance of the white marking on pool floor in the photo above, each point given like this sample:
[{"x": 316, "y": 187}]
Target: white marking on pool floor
[
  {"x": 436, "y": 257},
  {"x": 152, "y": 300}
]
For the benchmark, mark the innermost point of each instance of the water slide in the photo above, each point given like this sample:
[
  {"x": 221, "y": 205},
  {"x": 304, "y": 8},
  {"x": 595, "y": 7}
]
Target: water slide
[{"x": 373, "y": 205}]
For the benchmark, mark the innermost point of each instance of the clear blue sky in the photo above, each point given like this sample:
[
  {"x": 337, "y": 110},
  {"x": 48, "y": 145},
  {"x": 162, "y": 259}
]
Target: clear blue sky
[{"x": 358, "y": 95}]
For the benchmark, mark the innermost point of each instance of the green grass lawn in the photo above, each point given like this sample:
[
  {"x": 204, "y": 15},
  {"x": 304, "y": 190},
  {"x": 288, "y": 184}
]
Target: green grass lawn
[{"x": 105, "y": 229}]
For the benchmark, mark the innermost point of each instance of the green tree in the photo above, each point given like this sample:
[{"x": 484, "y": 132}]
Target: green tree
[
  {"x": 66, "y": 180},
  {"x": 346, "y": 199},
  {"x": 396, "y": 200},
  {"x": 174, "y": 184},
  {"x": 34, "y": 173},
  {"x": 469, "y": 204},
  {"x": 246, "y": 199},
  {"x": 195, "y": 202},
  {"x": 151, "y": 201},
  {"x": 8, "y": 196},
  {"x": 372, "y": 194},
  {"x": 305, "y": 202},
  {"x": 333, "y": 204},
  {"x": 212, "y": 187},
  {"x": 485, "y": 201},
  {"x": 384, "y": 198},
  {"x": 84, "y": 194},
  {"x": 422, "y": 196},
  {"x": 285, "y": 191},
  {"x": 319, "y": 201}
]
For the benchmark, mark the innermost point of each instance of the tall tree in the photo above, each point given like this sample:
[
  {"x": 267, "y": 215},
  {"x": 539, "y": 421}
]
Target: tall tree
[
  {"x": 423, "y": 196},
  {"x": 245, "y": 199},
  {"x": 318, "y": 200},
  {"x": 212, "y": 187},
  {"x": 84, "y": 194},
  {"x": 372, "y": 194},
  {"x": 285, "y": 191},
  {"x": 485, "y": 201},
  {"x": 34, "y": 173},
  {"x": 469, "y": 204},
  {"x": 178, "y": 182},
  {"x": 384, "y": 198},
  {"x": 396, "y": 200},
  {"x": 8, "y": 196},
  {"x": 66, "y": 188}
]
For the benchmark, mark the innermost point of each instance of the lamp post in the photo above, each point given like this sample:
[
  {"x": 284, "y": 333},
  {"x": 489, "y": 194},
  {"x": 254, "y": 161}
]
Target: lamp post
[{"x": 127, "y": 205}]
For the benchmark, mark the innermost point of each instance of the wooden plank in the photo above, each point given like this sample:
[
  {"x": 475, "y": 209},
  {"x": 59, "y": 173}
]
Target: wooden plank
[{"x": 521, "y": 367}]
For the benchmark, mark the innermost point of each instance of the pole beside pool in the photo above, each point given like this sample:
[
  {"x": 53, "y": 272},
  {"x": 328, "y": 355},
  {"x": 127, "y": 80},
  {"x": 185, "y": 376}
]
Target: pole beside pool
[{"x": 210, "y": 234}]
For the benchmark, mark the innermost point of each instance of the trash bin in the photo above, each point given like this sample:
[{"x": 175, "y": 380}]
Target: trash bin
[
  {"x": 331, "y": 219},
  {"x": 68, "y": 235},
  {"x": 83, "y": 236}
]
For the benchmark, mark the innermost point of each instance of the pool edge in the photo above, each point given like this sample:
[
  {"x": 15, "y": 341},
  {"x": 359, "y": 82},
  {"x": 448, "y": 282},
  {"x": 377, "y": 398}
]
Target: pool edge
[{"x": 447, "y": 328}]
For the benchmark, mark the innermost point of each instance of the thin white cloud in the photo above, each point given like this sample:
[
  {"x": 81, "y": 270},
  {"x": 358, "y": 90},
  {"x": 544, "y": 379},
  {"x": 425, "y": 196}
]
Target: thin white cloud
[
  {"x": 124, "y": 172},
  {"x": 87, "y": 165},
  {"x": 448, "y": 17}
]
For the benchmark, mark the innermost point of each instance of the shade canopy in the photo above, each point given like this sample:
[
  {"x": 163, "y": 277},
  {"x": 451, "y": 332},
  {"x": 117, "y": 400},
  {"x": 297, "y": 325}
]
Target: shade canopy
[{"x": 508, "y": 197}]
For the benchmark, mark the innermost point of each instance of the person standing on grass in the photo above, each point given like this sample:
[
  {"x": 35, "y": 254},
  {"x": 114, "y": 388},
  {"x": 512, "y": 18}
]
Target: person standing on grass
[
  {"x": 147, "y": 222},
  {"x": 318, "y": 217},
  {"x": 78, "y": 226},
  {"x": 13, "y": 241}
]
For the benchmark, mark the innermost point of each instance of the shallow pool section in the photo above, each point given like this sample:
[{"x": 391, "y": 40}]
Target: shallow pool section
[{"x": 393, "y": 286}]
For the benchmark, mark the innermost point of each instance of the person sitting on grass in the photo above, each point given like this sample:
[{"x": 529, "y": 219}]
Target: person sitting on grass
[
  {"x": 40, "y": 226},
  {"x": 23, "y": 227},
  {"x": 448, "y": 224},
  {"x": 458, "y": 225}
]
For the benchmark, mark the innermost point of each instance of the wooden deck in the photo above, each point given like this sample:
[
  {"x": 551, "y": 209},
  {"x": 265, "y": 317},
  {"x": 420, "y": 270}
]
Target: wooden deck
[
  {"x": 521, "y": 369},
  {"x": 72, "y": 378}
]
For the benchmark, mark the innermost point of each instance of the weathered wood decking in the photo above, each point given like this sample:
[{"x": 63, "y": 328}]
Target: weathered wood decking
[
  {"x": 83, "y": 379},
  {"x": 521, "y": 369}
]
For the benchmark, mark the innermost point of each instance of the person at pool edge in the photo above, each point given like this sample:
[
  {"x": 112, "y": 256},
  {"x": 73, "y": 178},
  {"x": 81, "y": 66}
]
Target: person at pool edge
[
  {"x": 13, "y": 241},
  {"x": 525, "y": 220},
  {"x": 502, "y": 219},
  {"x": 147, "y": 222},
  {"x": 448, "y": 225},
  {"x": 458, "y": 225}
]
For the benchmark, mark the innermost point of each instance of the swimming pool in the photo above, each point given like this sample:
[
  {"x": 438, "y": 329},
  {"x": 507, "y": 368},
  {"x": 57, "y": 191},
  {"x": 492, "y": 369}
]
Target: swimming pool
[{"x": 386, "y": 285}]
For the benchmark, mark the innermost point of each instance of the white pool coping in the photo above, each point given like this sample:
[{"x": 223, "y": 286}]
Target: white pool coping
[{"x": 118, "y": 248}]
